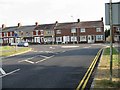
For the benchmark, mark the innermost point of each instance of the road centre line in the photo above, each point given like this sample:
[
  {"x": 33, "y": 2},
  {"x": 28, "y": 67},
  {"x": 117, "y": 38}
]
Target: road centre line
[{"x": 9, "y": 73}]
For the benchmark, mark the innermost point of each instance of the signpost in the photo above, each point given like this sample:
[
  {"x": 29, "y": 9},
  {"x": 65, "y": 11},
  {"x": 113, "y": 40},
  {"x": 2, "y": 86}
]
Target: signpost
[
  {"x": 112, "y": 17},
  {"x": 15, "y": 35}
]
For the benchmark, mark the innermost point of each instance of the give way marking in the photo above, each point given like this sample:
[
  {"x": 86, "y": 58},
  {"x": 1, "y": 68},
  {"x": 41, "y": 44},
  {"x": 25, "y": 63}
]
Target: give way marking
[{"x": 5, "y": 74}]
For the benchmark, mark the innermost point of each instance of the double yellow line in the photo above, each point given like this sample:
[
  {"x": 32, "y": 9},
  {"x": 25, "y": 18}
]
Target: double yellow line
[{"x": 85, "y": 79}]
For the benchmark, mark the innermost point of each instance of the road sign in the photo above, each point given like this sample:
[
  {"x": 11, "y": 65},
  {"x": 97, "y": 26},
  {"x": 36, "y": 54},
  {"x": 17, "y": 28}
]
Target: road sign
[
  {"x": 115, "y": 13},
  {"x": 15, "y": 34}
]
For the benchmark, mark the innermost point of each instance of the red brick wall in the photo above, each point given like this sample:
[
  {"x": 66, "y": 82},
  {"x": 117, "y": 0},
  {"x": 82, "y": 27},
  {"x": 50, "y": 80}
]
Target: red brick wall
[{"x": 34, "y": 32}]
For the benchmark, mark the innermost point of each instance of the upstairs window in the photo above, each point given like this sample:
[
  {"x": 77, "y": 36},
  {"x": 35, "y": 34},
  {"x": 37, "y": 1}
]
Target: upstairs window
[
  {"x": 73, "y": 30},
  {"x": 58, "y": 31},
  {"x": 11, "y": 34},
  {"x": 82, "y": 30},
  {"x": 98, "y": 29},
  {"x": 118, "y": 29}
]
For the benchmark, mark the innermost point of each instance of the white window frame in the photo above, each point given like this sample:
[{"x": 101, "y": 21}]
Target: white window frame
[
  {"x": 99, "y": 37},
  {"x": 98, "y": 29},
  {"x": 73, "y": 30},
  {"x": 83, "y": 38},
  {"x": 36, "y": 32},
  {"x": 58, "y": 39},
  {"x": 73, "y": 38},
  {"x": 58, "y": 31},
  {"x": 66, "y": 39},
  {"x": 82, "y": 30},
  {"x": 11, "y": 34}
]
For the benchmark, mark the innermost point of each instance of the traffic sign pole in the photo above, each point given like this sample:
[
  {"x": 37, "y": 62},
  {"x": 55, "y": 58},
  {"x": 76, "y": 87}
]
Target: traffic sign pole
[{"x": 111, "y": 41}]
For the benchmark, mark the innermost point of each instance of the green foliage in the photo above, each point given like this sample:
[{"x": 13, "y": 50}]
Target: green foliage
[
  {"x": 107, "y": 84},
  {"x": 107, "y": 51}
]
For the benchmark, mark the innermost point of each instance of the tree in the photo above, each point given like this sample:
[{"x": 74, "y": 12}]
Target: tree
[{"x": 107, "y": 33}]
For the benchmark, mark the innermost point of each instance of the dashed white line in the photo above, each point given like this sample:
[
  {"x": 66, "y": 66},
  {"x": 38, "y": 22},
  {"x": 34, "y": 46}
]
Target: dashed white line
[{"x": 9, "y": 73}]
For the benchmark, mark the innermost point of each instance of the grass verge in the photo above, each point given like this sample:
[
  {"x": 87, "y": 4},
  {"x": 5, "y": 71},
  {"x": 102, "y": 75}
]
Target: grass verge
[
  {"x": 102, "y": 77},
  {"x": 10, "y": 50}
]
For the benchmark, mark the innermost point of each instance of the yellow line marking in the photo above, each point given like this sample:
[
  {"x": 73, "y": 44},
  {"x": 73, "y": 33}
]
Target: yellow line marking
[{"x": 93, "y": 63}]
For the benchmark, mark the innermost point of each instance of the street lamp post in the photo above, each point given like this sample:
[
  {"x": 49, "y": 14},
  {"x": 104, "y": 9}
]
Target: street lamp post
[{"x": 111, "y": 39}]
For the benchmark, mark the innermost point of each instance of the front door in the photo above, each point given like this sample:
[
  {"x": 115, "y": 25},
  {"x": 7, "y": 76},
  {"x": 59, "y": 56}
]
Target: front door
[{"x": 91, "y": 38}]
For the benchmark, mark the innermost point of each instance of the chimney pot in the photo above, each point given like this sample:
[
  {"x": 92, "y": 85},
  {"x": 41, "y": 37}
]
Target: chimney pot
[
  {"x": 78, "y": 20},
  {"x": 101, "y": 18},
  {"x": 19, "y": 24},
  {"x": 3, "y": 26},
  {"x": 36, "y": 23}
]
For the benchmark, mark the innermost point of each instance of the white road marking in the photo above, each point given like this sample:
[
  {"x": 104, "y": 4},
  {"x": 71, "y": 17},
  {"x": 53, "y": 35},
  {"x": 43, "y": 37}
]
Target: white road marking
[
  {"x": 69, "y": 46},
  {"x": 9, "y": 73},
  {"x": 45, "y": 59},
  {"x": 63, "y": 51},
  {"x": 87, "y": 47},
  {"x": 52, "y": 47},
  {"x": 43, "y": 56},
  {"x": 2, "y": 71},
  {"x": 29, "y": 61}
]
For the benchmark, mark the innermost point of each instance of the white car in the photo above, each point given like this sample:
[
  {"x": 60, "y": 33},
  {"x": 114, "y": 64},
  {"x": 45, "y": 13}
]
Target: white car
[
  {"x": 13, "y": 44},
  {"x": 24, "y": 44}
]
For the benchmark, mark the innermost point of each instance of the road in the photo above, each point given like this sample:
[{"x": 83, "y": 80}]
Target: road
[{"x": 49, "y": 66}]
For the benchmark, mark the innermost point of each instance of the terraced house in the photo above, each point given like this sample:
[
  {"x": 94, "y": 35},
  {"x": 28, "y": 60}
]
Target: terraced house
[{"x": 69, "y": 32}]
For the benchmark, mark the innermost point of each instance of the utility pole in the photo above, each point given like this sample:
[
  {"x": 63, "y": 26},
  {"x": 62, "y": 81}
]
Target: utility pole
[{"x": 111, "y": 39}]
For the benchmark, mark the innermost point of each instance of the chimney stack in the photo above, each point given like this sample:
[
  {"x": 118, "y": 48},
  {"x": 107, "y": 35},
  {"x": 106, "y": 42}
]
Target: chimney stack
[
  {"x": 36, "y": 23},
  {"x": 78, "y": 20},
  {"x": 101, "y": 18},
  {"x": 19, "y": 24},
  {"x": 56, "y": 23},
  {"x": 3, "y": 26}
]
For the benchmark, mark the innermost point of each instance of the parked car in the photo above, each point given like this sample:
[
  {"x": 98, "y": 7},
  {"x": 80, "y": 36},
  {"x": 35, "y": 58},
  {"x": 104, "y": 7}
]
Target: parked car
[
  {"x": 13, "y": 44},
  {"x": 23, "y": 44}
]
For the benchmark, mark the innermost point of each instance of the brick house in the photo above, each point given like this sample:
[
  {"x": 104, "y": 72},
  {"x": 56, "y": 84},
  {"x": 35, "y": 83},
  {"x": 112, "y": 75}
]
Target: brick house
[
  {"x": 80, "y": 32},
  {"x": 24, "y": 33},
  {"x": 44, "y": 33},
  {"x": 69, "y": 32},
  {"x": 116, "y": 33}
]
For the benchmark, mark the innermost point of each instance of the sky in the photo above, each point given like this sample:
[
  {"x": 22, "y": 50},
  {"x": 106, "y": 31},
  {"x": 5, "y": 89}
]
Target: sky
[{"x": 27, "y": 12}]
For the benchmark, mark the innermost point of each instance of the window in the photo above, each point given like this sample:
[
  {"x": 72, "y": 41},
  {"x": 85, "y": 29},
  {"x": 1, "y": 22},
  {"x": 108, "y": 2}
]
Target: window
[
  {"x": 98, "y": 29},
  {"x": 99, "y": 37},
  {"x": 5, "y": 34},
  {"x": 58, "y": 31},
  {"x": 36, "y": 32},
  {"x": 73, "y": 38},
  {"x": 58, "y": 39},
  {"x": 82, "y": 30},
  {"x": 118, "y": 29},
  {"x": 83, "y": 38},
  {"x": 73, "y": 30},
  {"x": 11, "y": 34},
  {"x": 42, "y": 32}
]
